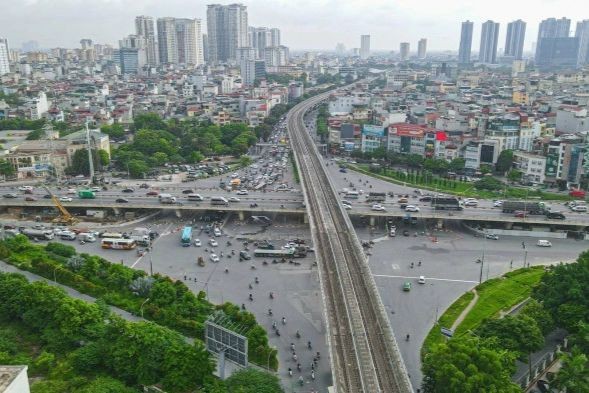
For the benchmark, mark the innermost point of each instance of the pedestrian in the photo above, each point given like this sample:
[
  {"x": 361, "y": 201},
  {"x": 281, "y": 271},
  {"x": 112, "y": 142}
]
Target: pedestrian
[{"x": 511, "y": 264}]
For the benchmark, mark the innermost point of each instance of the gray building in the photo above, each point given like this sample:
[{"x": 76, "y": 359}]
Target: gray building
[
  {"x": 364, "y": 46},
  {"x": 227, "y": 30},
  {"x": 404, "y": 49},
  {"x": 166, "y": 39},
  {"x": 551, "y": 28},
  {"x": 465, "y": 43},
  {"x": 489, "y": 37},
  {"x": 144, "y": 26},
  {"x": 514, "y": 42},
  {"x": 131, "y": 60},
  {"x": 559, "y": 52},
  {"x": 582, "y": 33},
  {"x": 180, "y": 41},
  {"x": 421, "y": 48}
]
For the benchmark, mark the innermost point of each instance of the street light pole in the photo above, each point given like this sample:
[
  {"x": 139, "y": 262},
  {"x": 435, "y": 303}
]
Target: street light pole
[
  {"x": 141, "y": 307},
  {"x": 482, "y": 263}
]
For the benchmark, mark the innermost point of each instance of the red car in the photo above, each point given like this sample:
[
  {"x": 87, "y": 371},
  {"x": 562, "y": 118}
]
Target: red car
[
  {"x": 520, "y": 214},
  {"x": 30, "y": 199},
  {"x": 151, "y": 193}
]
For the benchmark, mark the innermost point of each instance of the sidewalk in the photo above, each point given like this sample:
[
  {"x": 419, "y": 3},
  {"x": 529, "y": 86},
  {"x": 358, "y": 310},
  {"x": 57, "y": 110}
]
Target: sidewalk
[{"x": 465, "y": 312}]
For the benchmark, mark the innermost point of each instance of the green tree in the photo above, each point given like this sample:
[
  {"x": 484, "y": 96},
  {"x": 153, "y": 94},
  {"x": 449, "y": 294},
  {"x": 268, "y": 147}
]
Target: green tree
[
  {"x": 105, "y": 384},
  {"x": 573, "y": 374},
  {"x": 245, "y": 160},
  {"x": 485, "y": 168},
  {"x": 6, "y": 168},
  {"x": 504, "y": 161},
  {"x": 538, "y": 313},
  {"x": 103, "y": 157},
  {"x": 514, "y": 175},
  {"x": 438, "y": 166},
  {"x": 253, "y": 381},
  {"x": 519, "y": 334},
  {"x": 114, "y": 131},
  {"x": 489, "y": 183},
  {"x": 160, "y": 158},
  {"x": 149, "y": 121},
  {"x": 137, "y": 168},
  {"x": 414, "y": 160},
  {"x": 457, "y": 164},
  {"x": 468, "y": 365}
]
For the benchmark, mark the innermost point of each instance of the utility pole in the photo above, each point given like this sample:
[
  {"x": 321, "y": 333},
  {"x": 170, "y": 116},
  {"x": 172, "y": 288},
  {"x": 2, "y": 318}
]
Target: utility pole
[{"x": 90, "y": 161}]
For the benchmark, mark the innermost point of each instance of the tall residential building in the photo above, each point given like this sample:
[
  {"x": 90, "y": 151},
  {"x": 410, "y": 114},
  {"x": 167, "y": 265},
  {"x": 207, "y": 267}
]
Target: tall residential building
[
  {"x": 557, "y": 52},
  {"x": 275, "y": 37},
  {"x": 261, "y": 38},
  {"x": 131, "y": 60},
  {"x": 364, "y": 46},
  {"x": 582, "y": 33},
  {"x": 422, "y": 48},
  {"x": 340, "y": 49},
  {"x": 514, "y": 42},
  {"x": 4, "y": 56},
  {"x": 144, "y": 26},
  {"x": 276, "y": 56},
  {"x": 180, "y": 41},
  {"x": 86, "y": 43},
  {"x": 227, "y": 30},
  {"x": 553, "y": 28},
  {"x": 465, "y": 43},
  {"x": 404, "y": 49},
  {"x": 489, "y": 37}
]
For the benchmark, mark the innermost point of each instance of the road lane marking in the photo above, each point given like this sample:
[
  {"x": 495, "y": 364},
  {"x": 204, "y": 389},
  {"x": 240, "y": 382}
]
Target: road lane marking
[
  {"x": 395, "y": 266},
  {"x": 427, "y": 278}
]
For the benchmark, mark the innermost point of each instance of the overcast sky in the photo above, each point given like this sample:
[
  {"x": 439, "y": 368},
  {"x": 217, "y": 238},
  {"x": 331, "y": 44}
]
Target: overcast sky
[{"x": 305, "y": 24}]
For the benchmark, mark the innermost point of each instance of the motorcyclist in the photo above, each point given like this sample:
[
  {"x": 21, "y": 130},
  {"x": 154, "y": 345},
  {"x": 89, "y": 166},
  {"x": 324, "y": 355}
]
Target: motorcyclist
[
  {"x": 251, "y": 297},
  {"x": 283, "y": 320},
  {"x": 270, "y": 311},
  {"x": 298, "y": 334},
  {"x": 309, "y": 344},
  {"x": 407, "y": 338}
]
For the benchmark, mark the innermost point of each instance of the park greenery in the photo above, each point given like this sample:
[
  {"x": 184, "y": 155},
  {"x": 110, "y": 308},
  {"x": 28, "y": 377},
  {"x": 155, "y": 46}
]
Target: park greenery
[
  {"x": 74, "y": 346},
  {"x": 321, "y": 124},
  {"x": 157, "y": 298},
  {"x": 557, "y": 297}
]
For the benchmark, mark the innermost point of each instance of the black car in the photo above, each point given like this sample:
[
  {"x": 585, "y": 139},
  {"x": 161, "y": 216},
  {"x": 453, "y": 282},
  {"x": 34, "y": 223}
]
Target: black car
[
  {"x": 128, "y": 190},
  {"x": 122, "y": 200},
  {"x": 144, "y": 185},
  {"x": 405, "y": 233},
  {"x": 426, "y": 198},
  {"x": 555, "y": 215},
  {"x": 244, "y": 255},
  {"x": 11, "y": 195},
  {"x": 187, "y": 192},
  {"x": 47, "y": 196}
]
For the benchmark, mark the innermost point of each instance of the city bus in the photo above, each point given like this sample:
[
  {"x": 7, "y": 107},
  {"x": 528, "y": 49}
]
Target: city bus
[
  {"x": 285, "y": 253},
  {"x": 186, "y": 236},
  {"x": 352, "y": 195},
  {"x": 118, "y": 244}
]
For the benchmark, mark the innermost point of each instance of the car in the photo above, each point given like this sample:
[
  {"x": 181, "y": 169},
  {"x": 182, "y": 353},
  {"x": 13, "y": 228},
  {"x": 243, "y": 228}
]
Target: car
[
  {"x": 234, "y": 199},
  {"x": 580, "y": 208},
  {"x": 188, "y": 191},
  {"x": 10, "y": 195},
  {"x": 405, "y": 233},
  {"x": 197, "y": 243},
  {"x": 152, "y": 193},
  {"x": 343, "y": 170},
  {"x": 71, "y": 191},
  {"x": 346, "y": 202},
  {"x": 95, "y": 189},
  {"x": 347, "y": 207},
  {"x": 47, "y": 196},
  {"x": 407, "y": 286},
  {"x": 426, "y": 198},
  {"x": 30, "y": 199},
  {"x": 213, "y": 243},
  {"x": 555, "y": 216},
  {"x": 497, "y": 203},
  {"x": 122, "y": 200},
  {"x": 421, "y": 280},
  {"x": 520, "y": 214},
  {"x": 377, "y": 207},
  {"x": 403, "y": 206},
  {"x": 492, "y": 236},
  {"x": 65, "y": 199},
  {"x": 411, "y": 208},
  {"x": 242, "y": 192},
  {"x": 244, "y": 255},
  {"x": 128, "y": 190},
  {"x": 543, "y": 243},
  {"x": 25, "y": 188},
  {"x": 471, "y": 202},
  {"x": 214, "y": 258},
  {"x": 28, "y": 192},
  {"x": 144, "y": 185}
]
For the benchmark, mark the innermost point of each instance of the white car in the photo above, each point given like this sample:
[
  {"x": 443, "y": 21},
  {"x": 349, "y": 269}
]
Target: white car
[
  {"x": 71, "y": 191},
  {"x": 471, "y": 202},
  {"x": 497, "y": 203},
  {"x": 213, "y": 243},
  {"x": 96, "y": 189},
  {"x": 25, "y": 188},
  {"x": 65, "y": 199},
  {"x": 421, "y": 280},
  {"x": 214, "y": 258},
  {"x": 242, "y": 192},
  {"x": 233, "y": 199},
  {"x": 544, "y": 243},
  {"x": 347, "y": 207},
  {"x": 197, "y": 243},
  {"x": 378, "y": 208},
  {"x": 411, "y": 208}
]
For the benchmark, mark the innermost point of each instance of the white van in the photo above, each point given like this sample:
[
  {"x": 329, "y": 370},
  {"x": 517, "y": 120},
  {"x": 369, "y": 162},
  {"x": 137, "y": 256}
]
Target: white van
[
  {"x": 544, "y": 243},
  {"x": 579, "y": 208},
  {"x": 217, "y": 232},
  {"x": 195, "y": 197}
]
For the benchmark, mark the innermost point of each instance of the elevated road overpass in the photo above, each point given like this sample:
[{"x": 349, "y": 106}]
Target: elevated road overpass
[{"x": 364, "y": 353}]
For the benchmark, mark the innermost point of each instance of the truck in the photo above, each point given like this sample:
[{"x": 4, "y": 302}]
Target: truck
[
  {"x": 42, "y": 234},
  {"x": 528, "y": 207},
  {"x": 86, "y": 194},
  {"x": 141, "y": 240},
  {"x": 376, "y": 197},
  {"x": 186, "y": 238},
  {"x": 446, "y": 204},
  {"x": 167, "y": 199},
  {"x": 577, "y": 193}
]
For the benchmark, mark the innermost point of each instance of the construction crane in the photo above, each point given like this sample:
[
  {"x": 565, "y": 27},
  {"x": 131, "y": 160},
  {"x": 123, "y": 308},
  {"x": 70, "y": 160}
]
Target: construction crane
[{"x": 65, "y": 216}]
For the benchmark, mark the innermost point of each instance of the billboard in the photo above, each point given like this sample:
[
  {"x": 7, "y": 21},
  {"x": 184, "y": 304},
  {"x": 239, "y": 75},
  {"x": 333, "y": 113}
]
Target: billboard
[
  {"x": 349, "y": 146},
  {"x": 551, "y": 164},
  {"x": 220, "y": 339},
  {"x": 372, "y": 130}
]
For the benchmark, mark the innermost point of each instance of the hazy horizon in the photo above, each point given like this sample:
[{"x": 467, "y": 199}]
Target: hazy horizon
[{"x": 305, "y": 24}]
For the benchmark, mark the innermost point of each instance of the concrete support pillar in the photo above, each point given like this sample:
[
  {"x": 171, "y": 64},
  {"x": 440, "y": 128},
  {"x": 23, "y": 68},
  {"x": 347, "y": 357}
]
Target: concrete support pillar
[
  {"x": 305, "y": 218},
  {"x": 439, "y": 223},
  {"x": 508, "y": 225},
  {"x": 241, "y": 215},
  {"x": 372, "y": 221},
  {"x": 117, "y": 211},
  {"x": 178, "y": 213}
]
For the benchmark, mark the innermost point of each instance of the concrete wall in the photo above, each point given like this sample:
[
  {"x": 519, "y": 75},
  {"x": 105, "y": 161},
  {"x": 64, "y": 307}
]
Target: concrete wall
[{"x": 538, "y": 234}]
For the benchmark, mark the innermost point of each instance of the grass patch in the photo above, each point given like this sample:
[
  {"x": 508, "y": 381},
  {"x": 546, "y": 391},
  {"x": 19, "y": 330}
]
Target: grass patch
[
  {"x": 495, "y": 295},
  {"x": 501, "y": 294},
  {"x": 465, "y": 189},
  {"x": 446, "y": 320},
  {"x": 295, "y": 169}
]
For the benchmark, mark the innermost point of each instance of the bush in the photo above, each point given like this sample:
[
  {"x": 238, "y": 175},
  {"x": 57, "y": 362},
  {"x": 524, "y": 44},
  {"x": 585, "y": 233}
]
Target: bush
[{"x": 60, "y": 249}]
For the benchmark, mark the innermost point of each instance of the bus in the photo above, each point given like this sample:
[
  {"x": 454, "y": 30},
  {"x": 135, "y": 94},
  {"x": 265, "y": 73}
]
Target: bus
[
  {"x": 219, "y": 201},
  {"x": 284, "y": 253},
  {"x": 186, "y": 236},
  {"x": 111, "y": 235},
  {"x": 352, "y": 195},
  {"x": 376, "y": 197},
  {"x": 118, "y": 244}
]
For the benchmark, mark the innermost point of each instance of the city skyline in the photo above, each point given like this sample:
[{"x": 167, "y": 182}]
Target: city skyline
[{"x": 304, "y": 25}]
